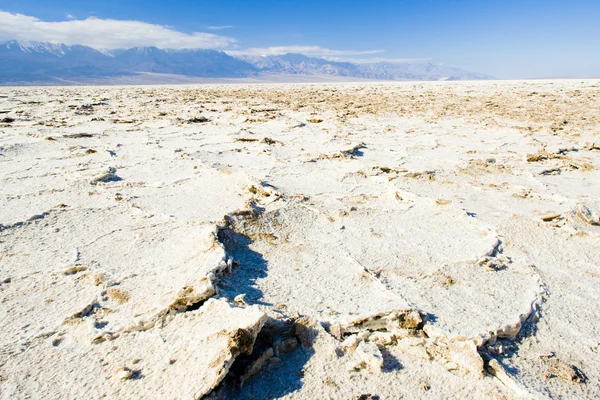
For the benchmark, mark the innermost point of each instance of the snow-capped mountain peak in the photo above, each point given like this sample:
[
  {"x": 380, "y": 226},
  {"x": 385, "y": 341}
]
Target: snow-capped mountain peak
[
  {"x": 26, "y": 61},
  {"x": 145, "y": 50},
  {"x": 57, "y": 49}
]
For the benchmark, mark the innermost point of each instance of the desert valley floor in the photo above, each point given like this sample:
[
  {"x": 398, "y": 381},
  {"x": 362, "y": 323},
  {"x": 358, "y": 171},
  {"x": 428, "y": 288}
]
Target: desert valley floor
[{"x": 331, "y": 241}]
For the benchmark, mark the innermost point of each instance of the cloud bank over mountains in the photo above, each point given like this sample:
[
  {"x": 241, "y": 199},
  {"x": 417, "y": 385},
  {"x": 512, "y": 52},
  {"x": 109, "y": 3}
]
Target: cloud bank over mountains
[
  {"x": 107, "y": 34},
  {"x": 33, "y": 50}
]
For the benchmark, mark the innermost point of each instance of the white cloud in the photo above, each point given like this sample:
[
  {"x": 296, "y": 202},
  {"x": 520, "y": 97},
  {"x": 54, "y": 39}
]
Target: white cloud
[
  {"x": 314, "y": 51},
  {"x": 105, "y": 33},
  {"x": 113, "y": 34},
  {"x": 218, "y": 28}
]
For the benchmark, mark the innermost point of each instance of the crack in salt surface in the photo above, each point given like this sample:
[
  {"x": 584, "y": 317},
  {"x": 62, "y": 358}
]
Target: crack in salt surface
[{"x": 443, "y": 346}]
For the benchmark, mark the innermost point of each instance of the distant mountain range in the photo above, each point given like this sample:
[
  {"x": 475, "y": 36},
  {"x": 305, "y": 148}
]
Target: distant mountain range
[{"x": 40, "y": 62}]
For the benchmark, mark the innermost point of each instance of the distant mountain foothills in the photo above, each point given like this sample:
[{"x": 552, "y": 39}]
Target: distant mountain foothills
[{"x": 40, "y": 62}]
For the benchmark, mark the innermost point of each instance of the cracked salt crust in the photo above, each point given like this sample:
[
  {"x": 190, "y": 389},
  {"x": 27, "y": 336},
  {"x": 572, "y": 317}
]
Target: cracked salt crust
[{"x": 422, "y": 240}]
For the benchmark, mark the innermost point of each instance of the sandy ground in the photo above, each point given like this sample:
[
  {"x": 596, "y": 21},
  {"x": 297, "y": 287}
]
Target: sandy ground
[{"x": 302, "y": 241}]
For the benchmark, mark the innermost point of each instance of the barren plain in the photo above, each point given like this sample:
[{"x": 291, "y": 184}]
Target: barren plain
[{"x": 302, "y": 241}]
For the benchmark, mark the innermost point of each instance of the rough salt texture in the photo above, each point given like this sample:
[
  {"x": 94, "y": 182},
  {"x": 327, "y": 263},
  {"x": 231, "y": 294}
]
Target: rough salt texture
[{"x": 426, "y": 240}]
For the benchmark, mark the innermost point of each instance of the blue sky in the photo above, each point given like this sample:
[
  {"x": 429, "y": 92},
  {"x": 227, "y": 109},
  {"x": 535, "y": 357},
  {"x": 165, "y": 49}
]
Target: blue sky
[{"x": 507, "y": 39}]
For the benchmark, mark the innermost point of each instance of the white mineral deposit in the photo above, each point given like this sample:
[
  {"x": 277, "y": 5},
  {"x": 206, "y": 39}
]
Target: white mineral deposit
[{"x": 302, "y": 241}]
